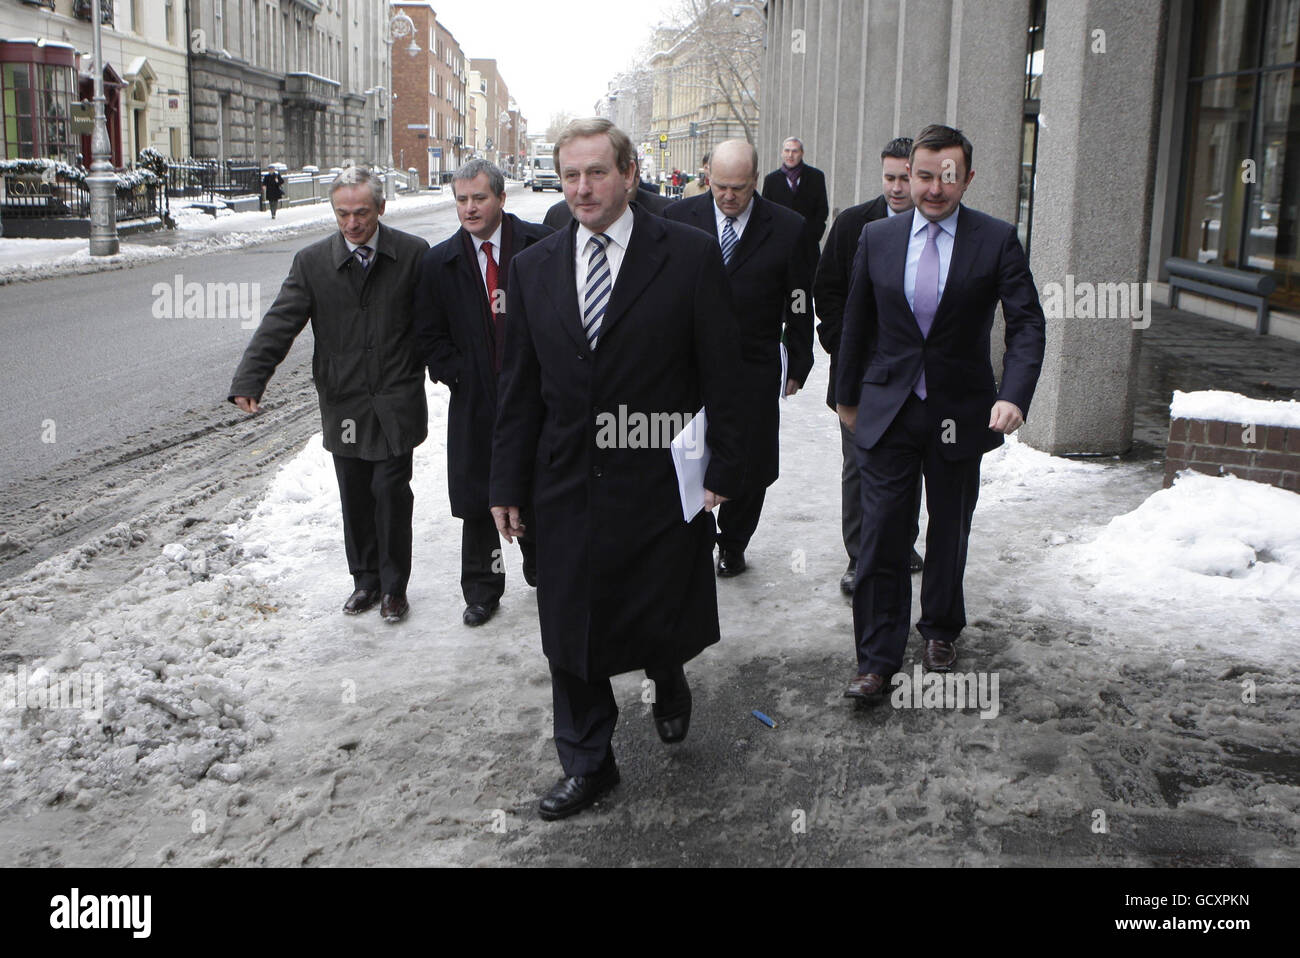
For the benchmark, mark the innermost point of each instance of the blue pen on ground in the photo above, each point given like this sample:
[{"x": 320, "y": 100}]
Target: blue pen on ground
[{"x": 763, "y": 718}]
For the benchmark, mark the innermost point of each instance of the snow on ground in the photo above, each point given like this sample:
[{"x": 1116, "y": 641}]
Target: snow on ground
[
  {"x": 1220, "y": 406},
  {"x": 197, "y": 232},
  {"x": 246, "y": 721}
]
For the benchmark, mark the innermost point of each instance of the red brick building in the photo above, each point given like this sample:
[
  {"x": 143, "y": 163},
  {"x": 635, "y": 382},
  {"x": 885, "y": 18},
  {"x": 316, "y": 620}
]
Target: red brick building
[{"x": 429, "y": 97}]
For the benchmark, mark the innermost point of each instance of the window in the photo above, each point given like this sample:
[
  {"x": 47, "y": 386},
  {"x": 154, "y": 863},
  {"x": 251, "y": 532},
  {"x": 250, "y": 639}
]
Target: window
[
  {"x": 37, "y": 100},
  {"x": 169, "y": 20},
  {"x": 1029, "y": 128},
  {"x": 1240, "y": 194}
]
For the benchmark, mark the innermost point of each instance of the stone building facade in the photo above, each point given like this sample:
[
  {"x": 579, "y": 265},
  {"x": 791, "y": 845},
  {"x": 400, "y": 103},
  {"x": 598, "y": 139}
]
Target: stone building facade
[
  {"x": 303, "y": 82},
  {"x": 144, "y": 61}
]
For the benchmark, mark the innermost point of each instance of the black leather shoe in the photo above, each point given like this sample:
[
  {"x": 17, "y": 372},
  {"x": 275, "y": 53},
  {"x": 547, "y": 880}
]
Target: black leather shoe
[
  {"x": 361, "y": 600},
  {"x": 571, "y": 795},
  {"x": 672, "y": 708},
  {"x": 848, "y": 578},
  {"x": 476, "y": 613},
  {"x": 916, "y": 563},
  {"x": 394, "y": 608},
  {"x": 730, "y": 562}
]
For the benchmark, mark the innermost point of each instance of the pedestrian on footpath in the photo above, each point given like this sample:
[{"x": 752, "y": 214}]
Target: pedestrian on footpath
[
  {"x": 356, "y": 290},
  {"x": 622, "y": 315},
  {"x": 273, "y": 184},
  {"x": 915, "y": 386},
  {"x": 830, "y": 289},
  {"x": 460, "y": 323},
  {"x": 770, "y": 268},
  {"x": 800, "y": 187}
]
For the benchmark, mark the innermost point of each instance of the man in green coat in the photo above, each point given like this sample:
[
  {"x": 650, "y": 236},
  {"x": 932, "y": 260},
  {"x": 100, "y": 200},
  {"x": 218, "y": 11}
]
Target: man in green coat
[{"x": 356, "y": 289}]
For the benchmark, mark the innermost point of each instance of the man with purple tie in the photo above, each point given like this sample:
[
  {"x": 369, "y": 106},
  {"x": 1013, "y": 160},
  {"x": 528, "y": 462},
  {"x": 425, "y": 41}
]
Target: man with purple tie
[{"x": 915, "y": 386}]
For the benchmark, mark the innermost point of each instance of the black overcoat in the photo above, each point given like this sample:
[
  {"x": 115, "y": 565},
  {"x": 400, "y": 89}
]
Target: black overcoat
[
  {"x": 624, "y": 582},
  {"x": 369, "y": 376},
  {"x": 834, "y": 272},
  {"x": 453, "y": 330},
  {"x": 771, "y": 274},
  {"x": 810, "y": 201}
]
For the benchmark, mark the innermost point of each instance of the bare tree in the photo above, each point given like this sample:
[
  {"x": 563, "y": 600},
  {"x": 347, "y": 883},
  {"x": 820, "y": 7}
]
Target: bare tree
[
  {"x": 724, "y": 44},
  {"x": 558, "y": 122}
]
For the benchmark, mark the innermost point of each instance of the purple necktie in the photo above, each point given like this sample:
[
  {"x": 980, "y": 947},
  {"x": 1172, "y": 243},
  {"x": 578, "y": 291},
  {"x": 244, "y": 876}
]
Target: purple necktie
[{"x": 925, "y": 298}]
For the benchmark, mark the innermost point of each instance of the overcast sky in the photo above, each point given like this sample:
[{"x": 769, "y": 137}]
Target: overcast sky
[{"x": 555, "y": 55}]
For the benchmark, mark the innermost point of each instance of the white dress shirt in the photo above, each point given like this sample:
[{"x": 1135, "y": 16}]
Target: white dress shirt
[
  {"x": 495, "y": 240},
  {"x": 372, "y": 242},
  {"x": 619, "y": 233},
  {"x": 916, "y": 246},
  {"x": 720, "y": 218}
]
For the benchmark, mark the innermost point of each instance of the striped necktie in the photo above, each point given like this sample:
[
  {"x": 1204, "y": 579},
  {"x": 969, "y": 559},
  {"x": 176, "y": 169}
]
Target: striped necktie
[
  {"x": 729, "y": 239},
  {"x": 363, "y": 256},
  {"x": 595, "y": 295}
]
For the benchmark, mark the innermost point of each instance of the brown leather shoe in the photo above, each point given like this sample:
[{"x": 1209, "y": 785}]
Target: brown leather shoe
[
  {"x": 867, "y": 686},
  {"x": 939, "y": 656}
]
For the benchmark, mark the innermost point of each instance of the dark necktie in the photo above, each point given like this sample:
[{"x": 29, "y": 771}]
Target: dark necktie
[
  {"x": 925, "y": 298},
  {"x": 363, "y": 256},
  {"x": 729, "y": 239},
  {"x": 595, "y": 295}
]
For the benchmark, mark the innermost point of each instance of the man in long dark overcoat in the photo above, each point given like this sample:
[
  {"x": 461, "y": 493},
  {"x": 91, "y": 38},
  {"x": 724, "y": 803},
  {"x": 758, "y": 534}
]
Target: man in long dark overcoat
[
  {"x": 770, "y": 265},
  {"x": 355, "y": 288},
  {"x": 622, "y": 317},
  {"x": 460, "y": 325}
]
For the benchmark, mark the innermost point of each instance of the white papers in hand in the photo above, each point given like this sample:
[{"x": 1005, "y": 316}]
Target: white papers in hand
[
  {"x": 691, "y": 460},
  {"x": 785, "y": 369}
]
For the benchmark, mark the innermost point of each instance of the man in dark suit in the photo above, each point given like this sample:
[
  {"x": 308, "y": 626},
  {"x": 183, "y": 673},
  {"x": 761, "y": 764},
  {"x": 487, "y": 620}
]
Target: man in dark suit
[
  {"x": 356, "y": 288},
  {"x": 830, "y": 289},
  {"x": 559, "y": 216},
  {"x": 460, "y": 329},
  {"x": 915, "y": 385},
  {"x": 799, "y": 187},
  {"x": 770, "y": 267},
  {"x": 622, "y": 317}
]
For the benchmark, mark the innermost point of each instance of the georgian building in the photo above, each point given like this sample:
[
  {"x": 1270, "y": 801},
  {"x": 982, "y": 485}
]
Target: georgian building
[
  {"x": 46, "y": 78},
  {"x": 494, "y": 114},
  {"x": 303, "y": 82}
]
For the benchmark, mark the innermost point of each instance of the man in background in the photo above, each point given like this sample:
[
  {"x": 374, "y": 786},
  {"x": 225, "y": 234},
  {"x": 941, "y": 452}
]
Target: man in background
[
  {"x": 799, "y": 187},
  {"x": 460, "y": 323},
  {"x": 831, "y": 288}
]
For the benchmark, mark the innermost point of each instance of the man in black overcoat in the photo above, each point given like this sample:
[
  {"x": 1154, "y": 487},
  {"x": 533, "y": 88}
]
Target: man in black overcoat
[
  {"x": 830, "y": 289},
  {"x": 800, "y": 187},
  {"x": 620, "y": 328},
  {"x": 460, "y": 321},
  {"x": 770, "y": 268},
  {"x": 356, "y": 288}
]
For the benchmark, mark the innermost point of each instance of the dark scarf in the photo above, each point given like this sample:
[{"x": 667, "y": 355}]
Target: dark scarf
[{"x": 502, "y": 256}]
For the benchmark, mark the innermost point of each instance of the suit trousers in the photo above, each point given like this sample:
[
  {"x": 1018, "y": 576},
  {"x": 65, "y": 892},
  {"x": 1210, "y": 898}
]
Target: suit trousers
[
  {"x": 882, "y": 595},
  {"x": 851, "y": 498},
  {"x": 482, "y": 563},
  {"x": 738, "y": 518},
  {"x": 377, "y": 508},
  {"x": 585, "y": 716}
]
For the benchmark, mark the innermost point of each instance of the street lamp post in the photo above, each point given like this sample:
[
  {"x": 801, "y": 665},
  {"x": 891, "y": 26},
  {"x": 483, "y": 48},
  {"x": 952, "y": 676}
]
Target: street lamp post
[{"x": 101, "y": 180}]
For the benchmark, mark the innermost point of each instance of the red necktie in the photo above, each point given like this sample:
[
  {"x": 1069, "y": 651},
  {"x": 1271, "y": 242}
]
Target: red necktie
[{"x": 497, "y": 309}]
